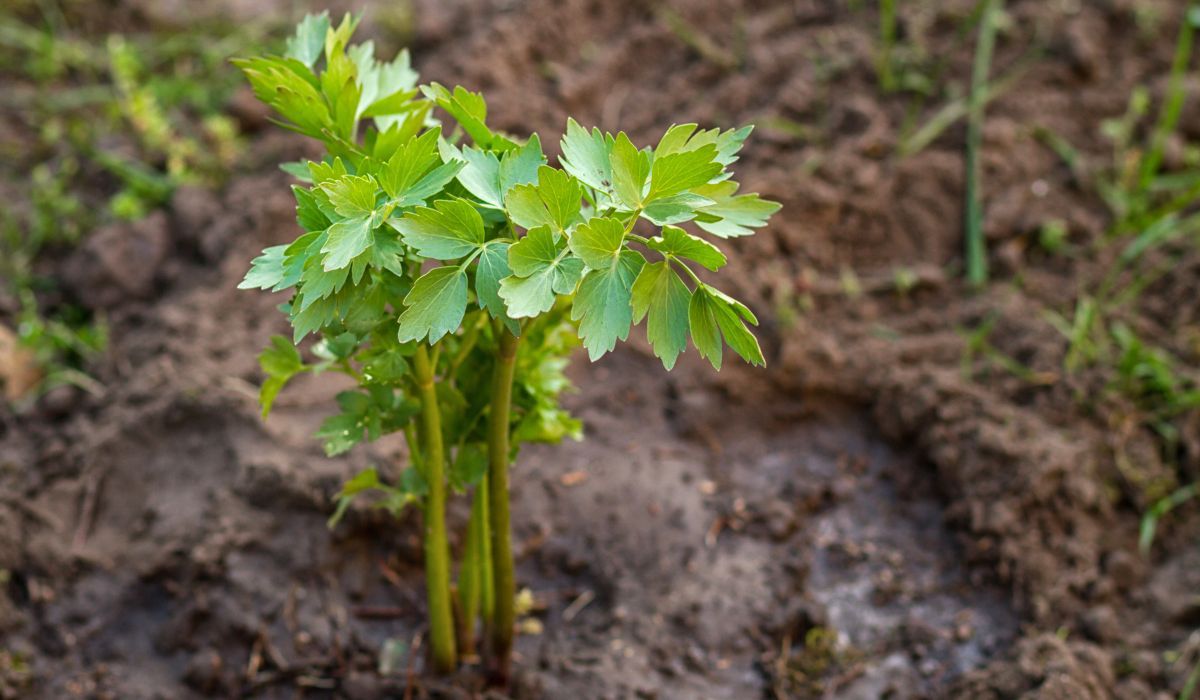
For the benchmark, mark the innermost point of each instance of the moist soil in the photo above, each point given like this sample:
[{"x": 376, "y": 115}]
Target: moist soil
[{"x": 871, "y": 516}]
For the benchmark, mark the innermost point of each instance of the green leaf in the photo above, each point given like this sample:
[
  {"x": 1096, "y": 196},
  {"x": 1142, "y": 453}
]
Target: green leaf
[
  {"x": 676, "y": 173},
  {"x": 291, "y": 89},
  {"x": 297, "y": 169},
  {"x": 318, "y": 283},
  {"x": 385, "y": 366},
  {"x": 366, "y": 415},
  {"x": 345, "y": 241},
  {"x": 681, "y": 244},
  {"x": 451, "y": 229},
  {"x": 706, "y": 334},
  {"x": 481, "y": 176},
  {"x": 659, "y": 294},
  {"x": 598, "y": 242},
  {"x": 266, "y": 270},
  {"x": 433, "y": 183},
  {"x": 554, "y": 201},
  {"x": 630, "y": 167},
  {"x": 732, "y": 317},
  {"x": 731, "y": 216},
  {"x": 308, "y": 209},
  {"x": 365, "y": 480},
  {"x": 281, "y": 361},
  {"x": 470, "y": 464},
  {"x": 730, "y": 142},
  {"x": 602, "y": 305},
  {"x": 470, "y": 111},
  {"x": 489, "y": 177},
  {"x": 320, "y": 173},
  {"x": 309, "y": 40},
  {"x": 492, "y": 267},
  {"x": 675, "y": 209},
  {"x": 340, "y": 432},
  {"x": 435, "y": 306},
  {"x": 674, "y": 140},
  {"x": 585, "y": 155},
  {"x": 351, "y": 195},
  {"x": 684, "y": 137},
  {"x": 409, "y": 163},
  {"x": 542, "y": 267},
  {"x": 520, "y": 166},
  {"x": 712, "y": 311},
  {"x": 387, "y": 88}
]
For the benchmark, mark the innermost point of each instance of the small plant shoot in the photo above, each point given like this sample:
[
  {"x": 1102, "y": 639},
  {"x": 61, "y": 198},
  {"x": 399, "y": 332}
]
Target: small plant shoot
[{"x": 450, "y": 270}]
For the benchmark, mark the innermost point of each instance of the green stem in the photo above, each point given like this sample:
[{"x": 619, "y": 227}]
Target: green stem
[
  {"x": 976, "y": 252},
  {"x": 504, "y": 578},
  {"x": 887, "y": 40},
  {"x": 470, "y": 576},
  {"x": 487, "y": 591},
  {"x": 437, "y": 548}
]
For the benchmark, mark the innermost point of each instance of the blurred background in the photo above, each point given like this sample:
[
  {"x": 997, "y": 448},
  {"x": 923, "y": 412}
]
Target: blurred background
[{"x": 969, "y": 470}]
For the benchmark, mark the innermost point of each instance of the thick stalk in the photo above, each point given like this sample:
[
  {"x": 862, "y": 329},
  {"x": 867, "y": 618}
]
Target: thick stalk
[
  {"x": 437, "y": 548},
  {"x": 487, "y": 590},
  {"x": 503, "y": 576}
]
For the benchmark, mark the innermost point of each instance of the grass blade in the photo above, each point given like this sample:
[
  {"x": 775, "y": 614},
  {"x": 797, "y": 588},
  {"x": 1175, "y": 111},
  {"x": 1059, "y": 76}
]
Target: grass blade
[{"x": 976, "y": 253}]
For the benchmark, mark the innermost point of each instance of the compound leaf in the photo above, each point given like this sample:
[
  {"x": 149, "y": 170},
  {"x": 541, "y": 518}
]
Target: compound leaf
[
  {"x": 542, "y": 267},
  {"x": 602, "y": 305}
]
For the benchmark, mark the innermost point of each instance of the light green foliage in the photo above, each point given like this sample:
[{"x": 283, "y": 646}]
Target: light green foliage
[
  {"x": 425, "y": 260},
  {"x": 542, "y": 268},
  {"x": 435, "y": 306},
  {"x": 449, "y": 230},
  {"x": 511, "y": 232}
]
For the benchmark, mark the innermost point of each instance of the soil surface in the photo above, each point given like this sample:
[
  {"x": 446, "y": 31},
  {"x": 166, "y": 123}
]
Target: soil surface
[{"x": 871, "y": 516}]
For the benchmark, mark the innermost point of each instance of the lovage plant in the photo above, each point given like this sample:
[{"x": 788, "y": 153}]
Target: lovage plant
[{"x": 449, "y": 270}]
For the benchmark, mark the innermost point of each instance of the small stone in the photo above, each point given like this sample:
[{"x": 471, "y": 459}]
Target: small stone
[
  {"x": 59, "y": 401},
  {"x": 1124, "y": 569},
  {"x": 203, "y": 671},
  {"x": 1101, "y": 624}
]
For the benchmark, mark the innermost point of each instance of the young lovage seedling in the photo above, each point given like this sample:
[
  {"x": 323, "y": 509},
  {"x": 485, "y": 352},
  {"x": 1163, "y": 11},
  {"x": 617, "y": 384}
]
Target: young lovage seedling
[{"x": 451, "y": 282}]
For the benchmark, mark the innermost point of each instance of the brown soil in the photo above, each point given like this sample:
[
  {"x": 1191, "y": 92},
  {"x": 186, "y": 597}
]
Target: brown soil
[{"x": 861, "y": 520}]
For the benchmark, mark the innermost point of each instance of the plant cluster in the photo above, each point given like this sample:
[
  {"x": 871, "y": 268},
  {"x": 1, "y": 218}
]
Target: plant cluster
[{"x": 450, "y": 270}]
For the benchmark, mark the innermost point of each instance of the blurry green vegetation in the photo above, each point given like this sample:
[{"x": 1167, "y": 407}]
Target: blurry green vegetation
[
  {"x": 1154, "y": 223},
  {"x": 1151, "y": 186},
  {"x": 803, "y": 670},
  {"x": 99, "y": 126}
]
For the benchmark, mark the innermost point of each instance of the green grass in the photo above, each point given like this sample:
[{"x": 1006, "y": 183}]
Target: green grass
[
  {"x": 976, "y": 250},
  {"x": 108, "y": 126}
]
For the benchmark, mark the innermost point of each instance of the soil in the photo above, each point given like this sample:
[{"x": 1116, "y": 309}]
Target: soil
[{"x": 863, "y": 519}]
